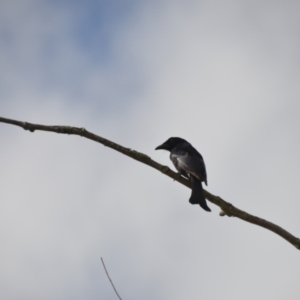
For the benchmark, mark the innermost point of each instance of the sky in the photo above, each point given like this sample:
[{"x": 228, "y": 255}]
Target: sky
[{"x": 222, "y": 75}]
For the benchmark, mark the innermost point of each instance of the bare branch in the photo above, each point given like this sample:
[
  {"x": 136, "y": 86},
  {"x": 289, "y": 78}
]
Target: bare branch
[
  {"x": 227, "y": 208},
  {"x": 110, "y": 279}
]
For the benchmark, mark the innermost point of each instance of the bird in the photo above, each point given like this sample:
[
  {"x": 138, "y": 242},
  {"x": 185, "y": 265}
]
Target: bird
[{"x": 190, "y": 164}]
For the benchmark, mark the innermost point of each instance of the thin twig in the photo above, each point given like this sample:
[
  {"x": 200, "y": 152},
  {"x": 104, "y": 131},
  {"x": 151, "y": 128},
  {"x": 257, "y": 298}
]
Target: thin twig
[
  {"x": 227, "y": 208},
  {"x": 110, "y": 279}
]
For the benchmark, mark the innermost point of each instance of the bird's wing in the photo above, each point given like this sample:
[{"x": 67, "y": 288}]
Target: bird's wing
[
  {"x": 191, "y": 164},
  {"x": 195, "y": 166}
]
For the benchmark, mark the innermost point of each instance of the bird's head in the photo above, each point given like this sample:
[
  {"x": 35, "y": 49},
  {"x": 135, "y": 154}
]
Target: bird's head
[{"x": 170, "y": 143}]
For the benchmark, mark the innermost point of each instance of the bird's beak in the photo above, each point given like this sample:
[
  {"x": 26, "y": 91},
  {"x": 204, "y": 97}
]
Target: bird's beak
[{"x": 161, "y": 147}]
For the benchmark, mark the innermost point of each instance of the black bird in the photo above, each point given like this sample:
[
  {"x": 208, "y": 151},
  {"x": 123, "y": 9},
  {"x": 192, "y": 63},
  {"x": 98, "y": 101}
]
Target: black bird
[{"x": 189, "y": 163}]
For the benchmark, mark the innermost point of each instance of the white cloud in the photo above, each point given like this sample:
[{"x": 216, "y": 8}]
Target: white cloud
[{"x": 222, "y": 76}]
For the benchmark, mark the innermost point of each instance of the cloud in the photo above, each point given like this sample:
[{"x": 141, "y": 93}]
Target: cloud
[{"x": 223, "y": 76}]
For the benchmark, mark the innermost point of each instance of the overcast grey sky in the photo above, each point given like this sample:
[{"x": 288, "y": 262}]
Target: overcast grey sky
[{"x": 223, "y": 75}]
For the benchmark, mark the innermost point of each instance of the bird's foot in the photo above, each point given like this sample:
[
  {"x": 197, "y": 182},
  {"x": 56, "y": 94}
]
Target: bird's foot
[{"x": 178, "y": 176}]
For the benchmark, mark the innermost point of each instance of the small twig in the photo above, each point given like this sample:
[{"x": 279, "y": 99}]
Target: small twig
[{"x": 110, "y": 279}]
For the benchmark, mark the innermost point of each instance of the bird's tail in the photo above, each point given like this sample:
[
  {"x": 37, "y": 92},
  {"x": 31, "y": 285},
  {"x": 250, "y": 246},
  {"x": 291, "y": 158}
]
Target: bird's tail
[{"x": 197, "y": 196}]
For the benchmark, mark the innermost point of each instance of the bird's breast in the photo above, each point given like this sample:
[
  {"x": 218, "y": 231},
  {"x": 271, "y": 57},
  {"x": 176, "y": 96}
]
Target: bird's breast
[{"x": 177, "y": 160}]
